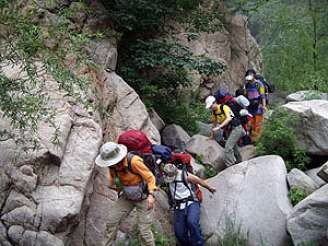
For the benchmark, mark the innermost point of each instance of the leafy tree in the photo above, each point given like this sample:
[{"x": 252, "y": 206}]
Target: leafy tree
[
  {"x": 294, "y": 41},
  {"x": 23, "y": 42}
]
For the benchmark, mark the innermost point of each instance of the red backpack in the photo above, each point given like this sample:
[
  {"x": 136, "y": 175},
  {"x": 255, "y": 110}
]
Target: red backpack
[
  {"x": 135, "y": 140},
  {"x": 183, "y": 161}
]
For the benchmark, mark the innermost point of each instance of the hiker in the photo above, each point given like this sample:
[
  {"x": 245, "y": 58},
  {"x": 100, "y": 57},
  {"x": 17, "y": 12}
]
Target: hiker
[
  {"x": 186, "y": 206},
  {"x": 238, "y": 106},
  {"x": 135, "y": 194},
  {"x": 255, "y": 93},
  {"x": 224, "y": 119}
]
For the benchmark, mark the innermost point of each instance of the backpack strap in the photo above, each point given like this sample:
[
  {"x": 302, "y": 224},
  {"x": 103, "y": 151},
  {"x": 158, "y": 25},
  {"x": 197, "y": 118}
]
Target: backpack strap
[{"x": 129, "y": 157}]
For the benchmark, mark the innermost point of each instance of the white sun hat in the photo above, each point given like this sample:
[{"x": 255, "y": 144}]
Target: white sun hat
[
  {"x": 249, "y": 77},
  {"x": 110, "y": 154},
  {"x": 209, "y": 101}
]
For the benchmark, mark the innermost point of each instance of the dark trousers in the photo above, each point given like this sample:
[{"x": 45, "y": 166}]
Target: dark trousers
[{"x": 186, "y": 225}]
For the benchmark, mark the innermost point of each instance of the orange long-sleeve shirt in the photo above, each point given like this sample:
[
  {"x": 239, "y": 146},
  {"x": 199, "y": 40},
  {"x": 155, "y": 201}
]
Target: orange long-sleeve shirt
[{"x": 128, "y": 178}]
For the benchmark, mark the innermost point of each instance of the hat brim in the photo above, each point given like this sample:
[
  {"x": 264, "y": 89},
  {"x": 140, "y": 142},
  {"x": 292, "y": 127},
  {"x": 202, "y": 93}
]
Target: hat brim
[{"x": 107, "y": 163}]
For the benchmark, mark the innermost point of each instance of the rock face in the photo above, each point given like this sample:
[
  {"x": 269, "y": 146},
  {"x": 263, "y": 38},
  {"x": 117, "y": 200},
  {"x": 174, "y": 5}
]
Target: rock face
[
  {"x": 306, "y": 95},
  {"x": 313, "y": 123},
  {"x": 49, "y": 183},
  {"x": 175, "y": 137},
  {"x": 234, "y": 46},
  {"x": 251, "y": 195},
  {"x": 312, "y": 173},
  {"x": 208, "y": 151},
  {"x": 129, "y": 111},
  {"x": 308, "y": 221},
  {"x": 296, "y": 178}
]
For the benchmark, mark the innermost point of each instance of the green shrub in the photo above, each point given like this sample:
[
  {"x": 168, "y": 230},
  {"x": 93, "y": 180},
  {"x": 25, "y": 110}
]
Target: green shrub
[
  {"x": 209, "y": 172},
  {"x": 182, "y": 111},
  {"x": 296, "y": 194},
  {"x": 160, "y": 239},
  {"x": 278, "y": 138}
]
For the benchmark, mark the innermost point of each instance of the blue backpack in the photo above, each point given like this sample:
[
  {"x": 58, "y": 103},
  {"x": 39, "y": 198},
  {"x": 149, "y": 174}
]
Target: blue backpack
[
  {"x": 162, "y": 151},
  {"x": 221, "y": 93}
]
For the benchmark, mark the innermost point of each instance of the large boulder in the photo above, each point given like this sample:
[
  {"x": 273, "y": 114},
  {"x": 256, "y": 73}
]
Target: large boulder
[
  {"x": 313, "y": 174},
  {"x": 206, "y": 150},
  {"x": 175, "y": 137},
  {"x": 124, "y": 109},
  {"x": 43, "y": 188},
  {"x": 156, "y": 119},
  {"x": 232, "y": 45},
  {"x": 313, "y": 123},
  {"x": 251, "y": 196},
  {"x": 306, "y": 95},
  {"x": 323, "y": 172},
  {"x": 297, "y": 178},
  {"x": 308, "y": 222}
]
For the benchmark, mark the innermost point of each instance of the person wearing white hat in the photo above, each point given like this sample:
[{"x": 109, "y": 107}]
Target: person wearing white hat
[
  {"x": 224, "y": 120},
  {"x": 132, "y": 176},
  {"x": 185, "y": 204}
]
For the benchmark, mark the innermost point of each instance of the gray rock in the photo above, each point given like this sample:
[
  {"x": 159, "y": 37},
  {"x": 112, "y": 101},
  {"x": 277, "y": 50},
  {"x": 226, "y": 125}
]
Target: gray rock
[
  {"x": 323, "y": 172},
  {"x": 156, "y": 119},
  {"x": 15, "y": 234},
  {"x": 16, "y": 200},
  {"x": 104, "y": 53},
  {"x": 3, "y": 236},
  {"x": 44, "y": 238},
  {"x": 245, "y": 194},
  {"x": 175, "y": 137},
  {"x": 313, "y": 117},
  {"x": 204, "y": 129},
  {"x": 4, "y": 185},
  {"x": 297, "y": 178},
  {"x": 23, "y": 216},
  {"x": 313, "y": 174},
  {"x": 58, "y": 207},
  {"x": 126, "y": 110},
  {"x": 81, "y": 150},
  {"x": 306, "y": 95},
  {"x": 198, "y": 169},
  {"x": 309, "y": 220},
  {"x": 23, "y": 237},
  {"x": 24, "y": 183},
  {"x": 208, "y": 151},
  {"x": 247, "y": 152}
]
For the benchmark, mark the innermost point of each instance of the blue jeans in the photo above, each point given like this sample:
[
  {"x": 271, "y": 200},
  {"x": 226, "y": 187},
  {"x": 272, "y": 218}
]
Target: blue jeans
[{"x": 186, "y": 225}]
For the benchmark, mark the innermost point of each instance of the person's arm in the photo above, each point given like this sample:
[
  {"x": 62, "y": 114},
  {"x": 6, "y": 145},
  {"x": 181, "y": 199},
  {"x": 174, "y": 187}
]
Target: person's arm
[
  {"x": 196, "y": 180},
  {"x": 227, "y": 120},
  {"x": 140, "y": 168}
]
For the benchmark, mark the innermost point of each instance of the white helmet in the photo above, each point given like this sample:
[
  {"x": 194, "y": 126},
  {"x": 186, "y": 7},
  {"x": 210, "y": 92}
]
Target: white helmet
[{"x": 209, "y": 101}]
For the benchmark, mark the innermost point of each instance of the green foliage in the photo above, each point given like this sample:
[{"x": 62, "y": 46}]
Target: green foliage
[
  {"x": 145, "y": 16},
  {"x": 157, "y": 69},
  {"x": 182, "y": 111},
  {"x": 209, "y": 172},
  {"x": 296, "y": 194},
  {"x": 205, "y": 20},
  {"x": 233, "y": 235},
  {"x": 23, "y": 42},
  {"x": 160, "y": 239},
  {"x": 294, "y": 42},
  {"x": 278, "y": 138}
]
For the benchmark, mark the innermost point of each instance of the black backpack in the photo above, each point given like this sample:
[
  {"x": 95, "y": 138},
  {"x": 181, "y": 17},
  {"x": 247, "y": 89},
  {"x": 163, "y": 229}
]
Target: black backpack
[{"x": 152, "y": 162}]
